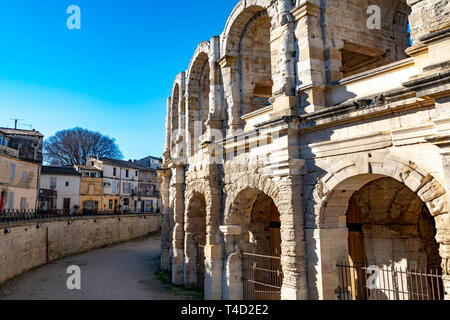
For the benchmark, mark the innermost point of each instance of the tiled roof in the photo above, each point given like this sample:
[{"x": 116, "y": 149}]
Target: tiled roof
[
  {"x": 123, "y": 164},
  {"x": 85, "y": 167},
  {"x": 66, "y": 171},
  {"x": 21, "y": 132}
]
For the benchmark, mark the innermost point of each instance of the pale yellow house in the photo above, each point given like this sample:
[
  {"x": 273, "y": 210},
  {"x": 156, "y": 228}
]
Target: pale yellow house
[{"x": 18, "y": 180}]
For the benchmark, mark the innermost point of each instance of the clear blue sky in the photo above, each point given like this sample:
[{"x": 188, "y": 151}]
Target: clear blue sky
[{"x": 112, "y": 76}]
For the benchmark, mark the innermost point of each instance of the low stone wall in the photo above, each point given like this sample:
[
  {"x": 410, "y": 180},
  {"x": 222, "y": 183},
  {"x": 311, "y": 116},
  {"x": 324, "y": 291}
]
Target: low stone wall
[{"x": 27, "y": 245}]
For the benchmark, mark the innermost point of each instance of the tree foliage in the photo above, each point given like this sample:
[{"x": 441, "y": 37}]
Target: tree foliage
[{"x": 73, "y": 146}]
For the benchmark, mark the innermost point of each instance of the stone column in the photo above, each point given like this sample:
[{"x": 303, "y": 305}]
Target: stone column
[
  {"x": 311, "y": 56},
  {"x": 177, "y": 193},
  {"x": 214, "y": 247},
  {"x": 182, "y": 104},
  {"x": 293, "y": 245},
  {"x": 190, "y": 249},
  {"x": 231, "y": 89},
  {"x": 164, "y": 182},
  {"x": 232, "y": 277},
  {"x": 443, "y": 220},
  {"x": 193, "y": 129},
  {"x": 168, "y": 130}
]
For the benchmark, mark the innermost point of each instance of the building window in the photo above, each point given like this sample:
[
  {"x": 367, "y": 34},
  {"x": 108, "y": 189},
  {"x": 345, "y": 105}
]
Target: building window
[
  {"x": 12, "y": 171},
  {"x": 114, "y": 187},
  {"x": 53, "y": 183},
  {"x": 136, "y": 173},
  {"x": 11, "y": 201},
  {"x": 126, "y": 188},
  {"x": 110, "y": 204},
  {"x": 23, "y": 203},
  {"x": 114, "y": 172},
  {"x": 127, "y": 173},
  {"x": 67, "y": 183},
  {"x": 25, "y": 176}
]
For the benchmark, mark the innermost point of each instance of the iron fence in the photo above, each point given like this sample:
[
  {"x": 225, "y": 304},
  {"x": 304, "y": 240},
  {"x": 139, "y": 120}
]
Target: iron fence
[
  {"x": 10, "y": 216},
  {"x": 263, "y": 277},
  {"x": 362, "y": 282},
  {"x": 200, "y": 266}
]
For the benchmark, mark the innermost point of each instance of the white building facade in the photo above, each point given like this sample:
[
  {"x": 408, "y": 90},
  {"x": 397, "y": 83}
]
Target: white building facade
[{"x": 66, "y": 182}]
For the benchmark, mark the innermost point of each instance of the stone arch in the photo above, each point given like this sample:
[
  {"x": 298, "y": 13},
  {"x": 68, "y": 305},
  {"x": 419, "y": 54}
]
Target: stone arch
[
  {"x": 242, "y": 196},
  {"x": 238, "y": 19},
  {"x": 247, "y": 63},
  {"x": 345, "y": 178},
  {"x": 350, "y": 175},
  {"x": 265, "y": 184},
  {"x": 195, "y": 239},
  {"x": 177, "y": 116},
  {"x": 198, "y": 92}
]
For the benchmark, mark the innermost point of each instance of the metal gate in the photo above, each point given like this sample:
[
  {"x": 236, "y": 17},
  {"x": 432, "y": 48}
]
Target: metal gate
[
  {"x": 200, "y": 266},
  {"x": 263, "y": 277},
  {"x": 362, "y": 282}
]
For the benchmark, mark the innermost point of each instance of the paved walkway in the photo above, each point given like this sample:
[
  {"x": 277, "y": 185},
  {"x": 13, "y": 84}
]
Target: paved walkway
[{"x": 125, "y": 271}]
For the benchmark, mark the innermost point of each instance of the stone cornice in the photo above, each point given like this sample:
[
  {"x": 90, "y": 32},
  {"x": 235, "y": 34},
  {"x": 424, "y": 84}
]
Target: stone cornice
[
  {"x": 305, "y": 9},
  {"x": 435, "y": 36}
]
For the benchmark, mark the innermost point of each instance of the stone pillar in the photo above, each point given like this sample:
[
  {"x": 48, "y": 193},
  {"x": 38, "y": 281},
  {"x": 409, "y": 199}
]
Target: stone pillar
[
  {"x": 214, "y": 247},
  {"x": 232, "y": 278},
  {"x": 215, "y": 95},
  {"x": 231, "y": 89},
  {"x": 177, "y": 194},
  {"x": 194, "y": 129},
  {"x": 190, "y": 249},
  {"x": 182, "y": 104},
  {"x": 164, "y": 182},
  {"x": 285, "y": 101},
  {"x": 311, "y": 59},
  {"x": 168, "y": 131},
  {"x": 293, "y": 245},
  {"x": 443, "y": 220}
]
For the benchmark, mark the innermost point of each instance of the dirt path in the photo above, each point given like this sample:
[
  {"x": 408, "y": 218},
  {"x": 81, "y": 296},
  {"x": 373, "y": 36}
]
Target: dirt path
[{"x": 126, "y": 272}]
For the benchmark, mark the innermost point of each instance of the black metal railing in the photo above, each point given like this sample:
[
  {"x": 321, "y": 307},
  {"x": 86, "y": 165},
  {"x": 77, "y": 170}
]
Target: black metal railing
[
  {"x": 263, "y": 277},
  {"x": 11, "y": 216},
  {"x": 362, "y": 282}
]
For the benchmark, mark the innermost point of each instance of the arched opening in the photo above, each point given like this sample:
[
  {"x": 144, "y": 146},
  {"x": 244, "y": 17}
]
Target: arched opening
[
  {"x": 174, "y": 118},
  {"x": 254, "y": 64},
  {"x": 377, "y": 35},
  {"x": 382, "y": 237},
  {"x": 198, "y": 103},
  {"x": 195, "y": 237},
  {"x": 261, "y": 245}
]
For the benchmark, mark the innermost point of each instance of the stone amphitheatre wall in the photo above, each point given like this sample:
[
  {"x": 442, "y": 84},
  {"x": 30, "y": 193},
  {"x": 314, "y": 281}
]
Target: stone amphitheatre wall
[{"x": 27, "y": 245}]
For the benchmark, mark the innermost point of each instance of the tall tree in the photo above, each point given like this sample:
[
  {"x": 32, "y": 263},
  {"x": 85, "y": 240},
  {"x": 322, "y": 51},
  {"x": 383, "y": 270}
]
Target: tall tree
[{"x": 74, "y": 146}]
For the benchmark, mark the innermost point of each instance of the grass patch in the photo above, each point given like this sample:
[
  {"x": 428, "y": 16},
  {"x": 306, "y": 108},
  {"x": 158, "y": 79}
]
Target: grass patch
[{"x": 191, "y": 293}]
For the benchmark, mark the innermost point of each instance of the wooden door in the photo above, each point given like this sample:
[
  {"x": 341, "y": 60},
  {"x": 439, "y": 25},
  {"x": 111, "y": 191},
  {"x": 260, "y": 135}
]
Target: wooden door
[
  {"x": 66, "y": 205},
  {"x": 275, "y": 231},
  {"x": 356, "y": 251}
]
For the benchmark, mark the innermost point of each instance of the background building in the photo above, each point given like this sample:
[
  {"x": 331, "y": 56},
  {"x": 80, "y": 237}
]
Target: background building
[
  {"x": 150, "y": 162},
  {"x": 27, "y": 142},
  {"x": 18, "y": 179},
  {"x": 62, "y": 183},
  {"x": 91, "y": 188}
]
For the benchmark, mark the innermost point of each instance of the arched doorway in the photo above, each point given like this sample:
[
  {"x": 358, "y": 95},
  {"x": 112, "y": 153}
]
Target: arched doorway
[
  {"x": 261, "y": 245},
  {"x": 387, "y": 248},
  {"x": 195, "y": 241}
]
